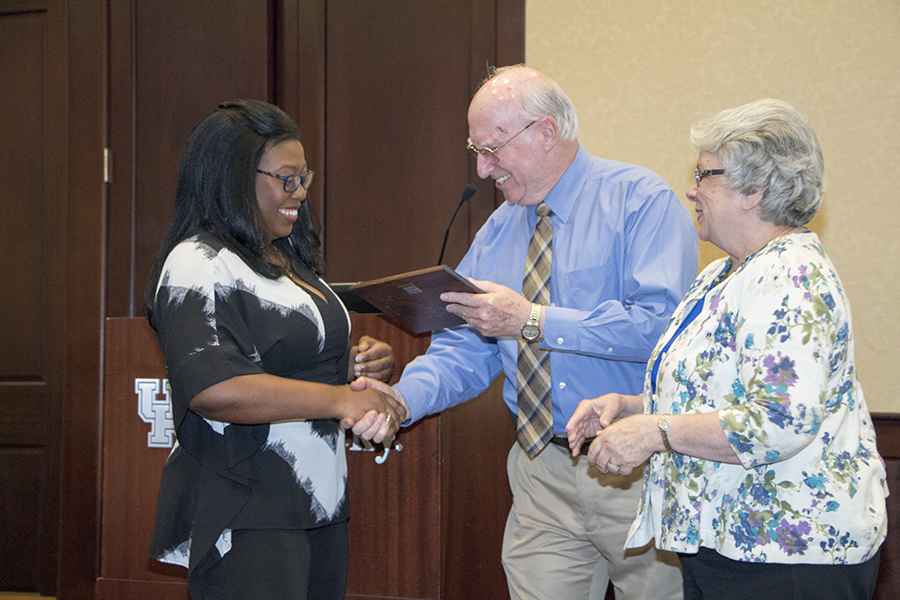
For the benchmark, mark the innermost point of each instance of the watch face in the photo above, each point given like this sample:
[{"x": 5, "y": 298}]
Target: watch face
[{"x": 530, "y": 332}]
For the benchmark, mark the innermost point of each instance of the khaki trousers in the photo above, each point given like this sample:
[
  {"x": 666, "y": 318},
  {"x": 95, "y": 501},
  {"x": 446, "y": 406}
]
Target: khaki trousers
[{"x": 565, "y": 535}]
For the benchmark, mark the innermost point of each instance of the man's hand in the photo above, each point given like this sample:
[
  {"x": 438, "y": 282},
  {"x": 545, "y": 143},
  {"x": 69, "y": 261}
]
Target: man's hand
[
  {"x": 595, "y": 414},
  {"x": 374, "y": 425},
  {"x": 499, "y": 312}
]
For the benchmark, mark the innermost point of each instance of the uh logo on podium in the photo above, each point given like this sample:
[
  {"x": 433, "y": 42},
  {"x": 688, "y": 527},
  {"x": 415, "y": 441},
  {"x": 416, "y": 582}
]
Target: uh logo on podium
[{"x": 156, "y": 411}]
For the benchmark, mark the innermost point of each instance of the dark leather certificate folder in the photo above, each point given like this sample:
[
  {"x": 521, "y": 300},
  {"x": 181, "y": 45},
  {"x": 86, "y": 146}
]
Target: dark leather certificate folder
[{"x": 414, "y": 299}]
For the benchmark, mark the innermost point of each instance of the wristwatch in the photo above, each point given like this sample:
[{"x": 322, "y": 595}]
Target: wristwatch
[
  {"x": 663, "y": 425},
  {"x": 531, "y": 330}
]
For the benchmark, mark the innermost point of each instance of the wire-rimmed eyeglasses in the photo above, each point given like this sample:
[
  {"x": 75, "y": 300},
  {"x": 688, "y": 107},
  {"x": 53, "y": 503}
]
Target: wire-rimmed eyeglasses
[
  {"x": 699, "y": 175},
  {"x": 492, "y": 151},
  {"x": 292, "y": 182}
]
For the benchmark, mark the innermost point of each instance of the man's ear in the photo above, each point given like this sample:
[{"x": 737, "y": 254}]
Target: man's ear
[{"x": 549, "y": 131}]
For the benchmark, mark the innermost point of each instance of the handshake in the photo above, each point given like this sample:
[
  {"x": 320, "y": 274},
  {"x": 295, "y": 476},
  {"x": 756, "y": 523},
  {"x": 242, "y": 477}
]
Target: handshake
[
  {"x": 373, "y": 410},
  {"x": 387, "y": 411}
]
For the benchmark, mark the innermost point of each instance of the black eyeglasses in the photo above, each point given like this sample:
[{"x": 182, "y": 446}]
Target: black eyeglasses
[
  {"x": 699, "y": 175},
  {"x": 492, "y": 151},
  {"x": 292, "y": 182}
]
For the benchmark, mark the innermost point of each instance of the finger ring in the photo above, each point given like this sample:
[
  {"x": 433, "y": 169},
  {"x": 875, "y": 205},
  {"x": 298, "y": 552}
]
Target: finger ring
[
  {"x": 388, "y": 420},
  {"x": 612, "y": 467}
]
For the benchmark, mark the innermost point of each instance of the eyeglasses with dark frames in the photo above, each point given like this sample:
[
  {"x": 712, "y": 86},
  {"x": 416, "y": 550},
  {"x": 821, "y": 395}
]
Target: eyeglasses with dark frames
[
  {"x": 699, "y": 175},
  {"x": 492, "y": 151},
  {"x": 292, "y": 182}
]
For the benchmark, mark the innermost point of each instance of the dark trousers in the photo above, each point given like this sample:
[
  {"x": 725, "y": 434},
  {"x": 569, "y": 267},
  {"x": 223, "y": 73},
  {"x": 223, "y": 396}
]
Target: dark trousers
[
  {"x": 279, "y": 564},
  {"x": 709, "y": 575}
]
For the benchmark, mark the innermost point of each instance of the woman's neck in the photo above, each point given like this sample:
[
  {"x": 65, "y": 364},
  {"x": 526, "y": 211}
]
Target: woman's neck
[
  {"x": 760, "y": 241},
  {"x": 276, "y": 256}
]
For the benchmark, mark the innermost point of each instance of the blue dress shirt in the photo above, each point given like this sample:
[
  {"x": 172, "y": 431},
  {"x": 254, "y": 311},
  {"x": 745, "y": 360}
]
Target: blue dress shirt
[{"x": 624, "y": 253}]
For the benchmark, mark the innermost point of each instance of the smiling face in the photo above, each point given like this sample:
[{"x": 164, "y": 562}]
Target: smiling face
[
  {"x": 278, "y": 207},
  {"x": 518, "y": 169},
  {"x": 720, "y": 217}
]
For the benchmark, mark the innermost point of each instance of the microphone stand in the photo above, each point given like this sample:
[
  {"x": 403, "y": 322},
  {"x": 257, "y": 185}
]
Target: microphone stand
[{"x": 468, "y": 192}]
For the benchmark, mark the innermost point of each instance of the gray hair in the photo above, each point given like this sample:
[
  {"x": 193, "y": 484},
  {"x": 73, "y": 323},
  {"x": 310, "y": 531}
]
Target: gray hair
[
  {"x": 768, "y": 145},
  {"x": 541, "y": 96}
]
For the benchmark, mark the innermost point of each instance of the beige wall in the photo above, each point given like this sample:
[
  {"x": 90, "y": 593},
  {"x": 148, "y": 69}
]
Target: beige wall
[{"x": 641, "y": 72}]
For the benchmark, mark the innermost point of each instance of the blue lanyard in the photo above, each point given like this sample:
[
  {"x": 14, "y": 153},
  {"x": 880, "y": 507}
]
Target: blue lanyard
[
  {"x": 687, "y": 321},
  {"x": 696, "y": 311}
]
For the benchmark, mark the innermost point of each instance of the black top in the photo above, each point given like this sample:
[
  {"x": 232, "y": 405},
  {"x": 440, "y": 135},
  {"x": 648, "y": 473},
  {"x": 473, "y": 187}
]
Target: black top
[{"x": 218, "y": 319}]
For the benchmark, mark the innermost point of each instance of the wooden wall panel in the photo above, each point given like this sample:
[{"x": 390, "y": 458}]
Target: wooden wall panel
[
  {"x": 475, "y": 440},
  {"x": 23, "y": 197},
  {"x": 83, "y": 279},
  {"x": 32, "y": 234},
  {"x": 889, "y": 571},
  {"x": 397, "y": 94},
  {"x": 395, "y": 501},
  {"x": 172, "y": 64},
  {"x": 887, "y": 428},
  {"x": 21, "y": 478},
  {"x": 131, "y": 471},
  {"x": 300, "y": 83}
]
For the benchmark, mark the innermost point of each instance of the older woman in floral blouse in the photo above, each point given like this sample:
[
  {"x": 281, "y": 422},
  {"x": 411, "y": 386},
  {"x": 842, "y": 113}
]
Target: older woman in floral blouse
[{"x": 763, "y": 472}]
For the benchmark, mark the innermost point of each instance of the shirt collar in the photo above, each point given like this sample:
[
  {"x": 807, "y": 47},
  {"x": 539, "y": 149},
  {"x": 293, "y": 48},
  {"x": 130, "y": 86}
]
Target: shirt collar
[{"x": 561, "y": 199}]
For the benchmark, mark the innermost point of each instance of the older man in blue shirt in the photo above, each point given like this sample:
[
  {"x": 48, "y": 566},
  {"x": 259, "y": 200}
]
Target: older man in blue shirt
[{"x": 624, "y": 251}]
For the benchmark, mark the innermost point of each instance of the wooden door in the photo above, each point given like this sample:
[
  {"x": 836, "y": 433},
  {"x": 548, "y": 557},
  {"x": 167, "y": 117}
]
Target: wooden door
[{"x": 32, "y": 238}]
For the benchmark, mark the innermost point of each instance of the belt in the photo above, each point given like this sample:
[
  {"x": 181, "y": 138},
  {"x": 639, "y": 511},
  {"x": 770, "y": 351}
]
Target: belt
[{"x": 561, "y": 440}]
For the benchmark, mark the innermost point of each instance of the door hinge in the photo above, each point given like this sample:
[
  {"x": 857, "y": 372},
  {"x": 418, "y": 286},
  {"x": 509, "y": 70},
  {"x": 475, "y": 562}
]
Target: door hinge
[{"x": 107, "y": 165}]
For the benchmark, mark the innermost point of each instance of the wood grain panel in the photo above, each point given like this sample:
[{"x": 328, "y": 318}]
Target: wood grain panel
[
  {"x": 887, "y": 430},
  {"x": 84, "y": 36},
  {"x": 300, "y": 84},
  {"x": 889, "y": 569},
  {"x": 24, "y": 201},
  {"x": 23, "y": 413},
  {"x": 131, "y": 470},
  {"x": 397, "y": 93},
  {"x": 475, "y": 440},
  {"x": 21, "y": 484},
  {"x": 174, "y": 63},
  {"x": 395, "y": 538},
  {"x": 32, "y": 238}
]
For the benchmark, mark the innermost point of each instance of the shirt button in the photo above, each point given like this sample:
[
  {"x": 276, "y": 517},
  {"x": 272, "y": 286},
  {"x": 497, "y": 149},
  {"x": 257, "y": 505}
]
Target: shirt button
[
  {"x": 562, "y": 385},
  {"x": 609, "y": 349},
  {"x": 559, "y": 340}
]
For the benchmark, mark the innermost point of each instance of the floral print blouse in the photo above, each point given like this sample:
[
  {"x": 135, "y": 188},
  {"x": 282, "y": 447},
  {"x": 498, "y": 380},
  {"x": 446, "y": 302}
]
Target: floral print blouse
[{"x": 772, "y": 351}]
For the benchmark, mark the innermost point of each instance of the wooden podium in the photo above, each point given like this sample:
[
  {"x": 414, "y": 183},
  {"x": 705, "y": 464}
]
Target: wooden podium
[{"x": 426, "y": 517}]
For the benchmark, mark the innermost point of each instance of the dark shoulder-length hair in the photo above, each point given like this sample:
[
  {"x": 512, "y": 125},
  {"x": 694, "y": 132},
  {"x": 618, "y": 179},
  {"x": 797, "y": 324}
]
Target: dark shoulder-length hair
[{"x": 217, "y": 191}]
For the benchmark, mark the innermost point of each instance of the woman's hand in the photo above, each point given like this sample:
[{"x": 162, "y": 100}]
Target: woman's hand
[
  {"x": 375, "y": 411},
  {"x": 626, "y": 444},
  {"x": 593, "y": 415},
  {"x": 372, "y": 358}
]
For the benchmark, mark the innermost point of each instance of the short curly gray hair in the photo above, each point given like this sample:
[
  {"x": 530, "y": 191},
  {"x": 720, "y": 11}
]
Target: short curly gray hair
[
  {"x": 768, "y": 145},
  {"x": 541, "y": 97}
]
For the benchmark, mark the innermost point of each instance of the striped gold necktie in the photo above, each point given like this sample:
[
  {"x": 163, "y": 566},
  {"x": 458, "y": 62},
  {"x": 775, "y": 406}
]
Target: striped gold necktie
[{"x": 534, "y": 425}]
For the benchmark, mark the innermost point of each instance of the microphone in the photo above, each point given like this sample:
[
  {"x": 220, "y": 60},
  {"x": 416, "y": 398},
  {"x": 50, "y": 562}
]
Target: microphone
[{"x": 468, "y": 192}]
